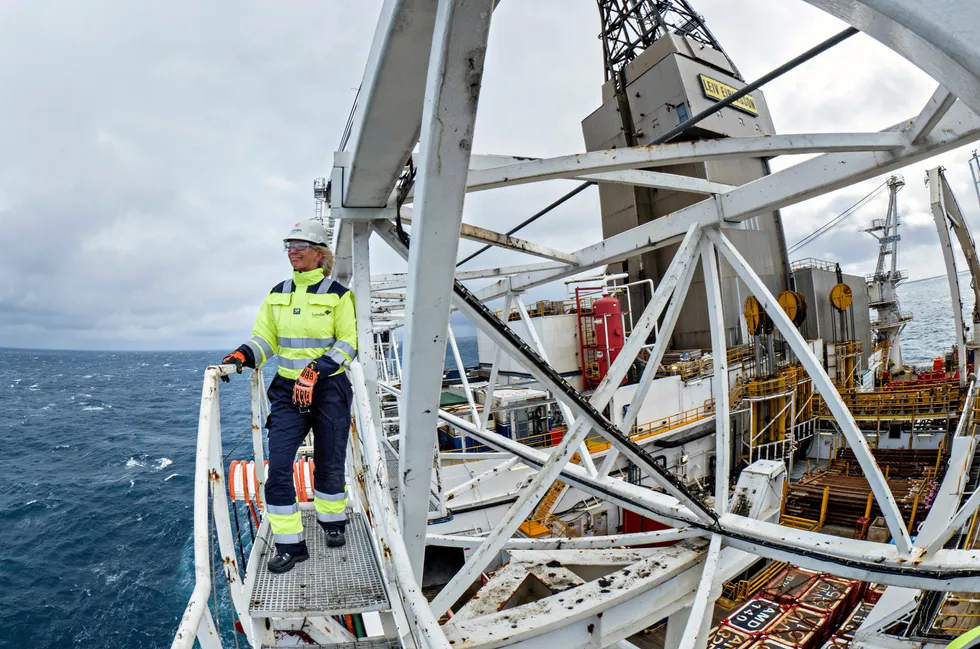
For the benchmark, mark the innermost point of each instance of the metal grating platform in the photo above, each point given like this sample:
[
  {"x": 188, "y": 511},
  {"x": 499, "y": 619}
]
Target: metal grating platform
[
  {"x": 364, "y": 643},
  {"x": 330, "y": 582}
]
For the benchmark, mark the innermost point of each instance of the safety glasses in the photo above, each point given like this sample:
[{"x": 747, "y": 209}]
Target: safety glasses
[{"x": 297, "y": 245}]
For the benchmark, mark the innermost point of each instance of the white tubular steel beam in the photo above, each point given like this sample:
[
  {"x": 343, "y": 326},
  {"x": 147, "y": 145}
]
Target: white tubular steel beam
[
  {"x": 392, "y": 281},
  {"x": 495, "y": 367},
  {"x": 482, "y": 235},
  {"x": 574, "y": 543},
  {"x": 654, "y": 179},
  {"x": 938, "y": 105},
  {"x": 959, "y": 520},
  {"x": 694, "y": 632},
  {"x": 815, "y": 177},
  {"x": 719, "y": 383},
  {"x": 650, "y": 371},
  {"x": 602, "y": 615},
  {"x": 390, "y": 546},
  {"x": 945, "y": 243},
  {"x": 823, "y": 385},
  {"x": 853, "y": 559},
  {"x": 499, "y": 240},
  {"x": 863, "y": 560},
  {"x": 361, "y": 258},
  {"x": 561, "y": 454},
  {"x": 658, "y": 180},
  {"x": 939, "y": 37},
  {"x": 476, "y": 480},
  {"x": 642, "y": 157},
  {"x": 566, "y": 412},
  {"x": 389, "y": 108},
  {"x": 452, "y": 94},
  {"x": 682, "y": 258},
  {"x": 462, "y": 375}
]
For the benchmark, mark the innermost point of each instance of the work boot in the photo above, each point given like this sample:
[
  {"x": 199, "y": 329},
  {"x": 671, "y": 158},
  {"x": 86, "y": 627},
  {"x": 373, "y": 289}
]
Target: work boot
[
  {"x": 335, "y": 538},
  {"x": 284, "y": 561}
]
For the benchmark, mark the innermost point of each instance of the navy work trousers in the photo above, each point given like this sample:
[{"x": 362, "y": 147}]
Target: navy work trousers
[{"x": 329, "y": 417}]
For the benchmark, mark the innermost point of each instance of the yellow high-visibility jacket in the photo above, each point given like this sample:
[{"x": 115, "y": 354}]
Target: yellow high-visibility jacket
[{"x": 307, "y": 318}]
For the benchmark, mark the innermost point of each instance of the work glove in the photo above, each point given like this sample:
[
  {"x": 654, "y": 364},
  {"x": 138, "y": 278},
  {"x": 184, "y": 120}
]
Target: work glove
[
  {"x": 236, "y": 358},
  {"x": 303, "y": 388}
]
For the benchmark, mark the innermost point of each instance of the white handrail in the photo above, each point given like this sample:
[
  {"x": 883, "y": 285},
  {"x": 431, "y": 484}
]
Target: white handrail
[{"x": 197, "y": 623}]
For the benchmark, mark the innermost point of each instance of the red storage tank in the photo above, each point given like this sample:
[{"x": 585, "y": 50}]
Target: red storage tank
[{"x": 609, "y": 335}]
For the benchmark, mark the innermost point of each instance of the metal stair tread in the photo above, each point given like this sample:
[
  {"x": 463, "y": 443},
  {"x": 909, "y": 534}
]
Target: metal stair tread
[
  {"x": 332, "y": 581},
  {"x": 363, "y": 643}
]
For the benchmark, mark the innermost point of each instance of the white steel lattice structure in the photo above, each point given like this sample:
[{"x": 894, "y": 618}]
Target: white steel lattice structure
[{"x": 423, "y": 76}]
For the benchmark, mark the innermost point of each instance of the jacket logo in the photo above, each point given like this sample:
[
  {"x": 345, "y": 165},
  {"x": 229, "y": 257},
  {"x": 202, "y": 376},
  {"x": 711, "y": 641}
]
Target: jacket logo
[
  {"x": 296, "y": 311},
  {"x": 320, "y": 315}
]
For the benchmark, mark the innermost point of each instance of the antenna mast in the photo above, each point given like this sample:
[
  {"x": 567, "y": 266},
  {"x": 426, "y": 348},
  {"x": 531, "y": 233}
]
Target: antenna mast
[{"x": 321, "y": 198}]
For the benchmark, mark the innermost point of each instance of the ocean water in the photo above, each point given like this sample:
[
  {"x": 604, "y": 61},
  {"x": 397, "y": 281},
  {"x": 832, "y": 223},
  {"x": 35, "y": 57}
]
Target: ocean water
[
  {"x": 932, "y": 329},
  {"x": 96, "y": 498}
]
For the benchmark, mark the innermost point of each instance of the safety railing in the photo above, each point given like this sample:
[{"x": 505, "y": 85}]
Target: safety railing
[
  {"x": 736, "y": 591},
  {"x": 936, "y": 400},
  {"x": 786, "y": 381},
  {"x": 211, "y": 499},
  {"x": 413, "y": 614},
  {"x": 811, "y": 262},
  {"x": 596, "y": 443},
  {"x": 777, "y": 450}
]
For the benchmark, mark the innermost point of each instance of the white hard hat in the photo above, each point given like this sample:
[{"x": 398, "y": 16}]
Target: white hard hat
[{"x": 312, "y": 231}]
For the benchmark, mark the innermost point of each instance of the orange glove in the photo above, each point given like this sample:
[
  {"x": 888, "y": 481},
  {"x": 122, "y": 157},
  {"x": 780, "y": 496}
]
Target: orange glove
[
  {"x": 303, "y": 389},
  {"x": 235, "y": 358}
]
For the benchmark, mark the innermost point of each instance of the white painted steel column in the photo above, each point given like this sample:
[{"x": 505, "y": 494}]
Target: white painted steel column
[
  {"x": 566, "y": 412},
  {"x": 823, "y": 385},
  {"x": 462, "y": 375},
  {"x": 719, "y": 383},
  {"x": 562, "y": 453},
  {"x": 361, "y": 259},
  {"x": 696, "y": 631},
  {"x": 495, "y": 368},
  {"x": 942, "y": 229},
  {"x": 684, "y": 256},
  {"x": 650, "y": 371},
  {"x": 388, "y": 539},
  {"x": 451, "y": 97}
]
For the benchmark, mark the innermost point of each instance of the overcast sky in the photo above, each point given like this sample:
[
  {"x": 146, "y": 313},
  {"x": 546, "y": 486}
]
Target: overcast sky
[{"x": 154, "y": 154}]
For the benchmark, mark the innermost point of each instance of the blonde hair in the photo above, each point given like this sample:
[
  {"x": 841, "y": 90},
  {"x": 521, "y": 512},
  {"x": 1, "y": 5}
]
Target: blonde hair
[{"x": 327, "y": 262}]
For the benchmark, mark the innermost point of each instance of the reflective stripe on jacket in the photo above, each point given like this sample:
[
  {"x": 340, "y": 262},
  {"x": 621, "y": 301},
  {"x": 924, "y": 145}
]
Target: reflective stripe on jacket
[{"x": 304, "y": 319}]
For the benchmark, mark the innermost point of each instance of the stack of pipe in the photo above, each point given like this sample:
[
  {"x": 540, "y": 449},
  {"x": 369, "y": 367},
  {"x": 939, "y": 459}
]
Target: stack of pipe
[
  {"x": 898, "y": 462},
  {"x": 848, "y": 497}
]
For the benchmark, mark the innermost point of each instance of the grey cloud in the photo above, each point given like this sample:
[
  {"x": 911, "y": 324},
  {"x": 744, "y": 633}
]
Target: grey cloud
[{"x": 154, "y": 152}]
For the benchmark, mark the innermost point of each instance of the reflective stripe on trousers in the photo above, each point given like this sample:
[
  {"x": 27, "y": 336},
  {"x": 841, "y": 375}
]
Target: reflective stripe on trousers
[
  {"x": 330, "y": 508},
  {"x": 286, "y": 522}
]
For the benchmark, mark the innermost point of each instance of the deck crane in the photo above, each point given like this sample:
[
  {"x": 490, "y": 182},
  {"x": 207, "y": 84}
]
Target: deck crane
[
  {"x": 947, "y": 214},
  {"x": 883, "y": 284}
]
